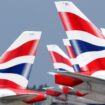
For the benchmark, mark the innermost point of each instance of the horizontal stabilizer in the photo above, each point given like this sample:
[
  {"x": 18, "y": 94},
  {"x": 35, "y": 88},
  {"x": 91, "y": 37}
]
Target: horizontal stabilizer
[
  {"x": 83, "y": 77},
  {"x": 22, "y": 97}
]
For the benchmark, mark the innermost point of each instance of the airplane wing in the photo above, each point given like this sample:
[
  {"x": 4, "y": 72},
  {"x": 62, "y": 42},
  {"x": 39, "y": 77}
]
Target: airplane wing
[
  {"x": 83, "y": 77},
  {"x": 91, "y": 85},
  {"x": 22, "y": 97}
]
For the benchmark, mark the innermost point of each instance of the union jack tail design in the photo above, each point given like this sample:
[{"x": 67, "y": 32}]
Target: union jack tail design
[
  {"x": 16, "y": 62},
  {"x": 60, "y": 60},
  {"x": 86, "y": 39}
]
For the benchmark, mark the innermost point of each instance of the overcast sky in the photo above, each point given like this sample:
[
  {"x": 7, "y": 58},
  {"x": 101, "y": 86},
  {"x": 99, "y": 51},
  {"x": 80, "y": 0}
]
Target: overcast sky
[{"x": 17, "y": 16}]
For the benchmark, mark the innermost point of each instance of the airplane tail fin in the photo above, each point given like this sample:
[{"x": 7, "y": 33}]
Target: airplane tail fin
[
  {"x": 86, "y": 39},
  {"x": 16, "y": 62},
  {"x": 60, "y": 60}
]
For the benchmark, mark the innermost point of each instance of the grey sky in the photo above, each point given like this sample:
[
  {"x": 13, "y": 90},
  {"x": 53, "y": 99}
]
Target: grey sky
[{"x": 17, "y": 16}]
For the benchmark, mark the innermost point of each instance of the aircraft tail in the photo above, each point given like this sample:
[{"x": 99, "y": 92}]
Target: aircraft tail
[
  {"x": 86, "y": 39},
  {"x": 60, "y": 60},
  {"x": 16, "y": 62}
]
